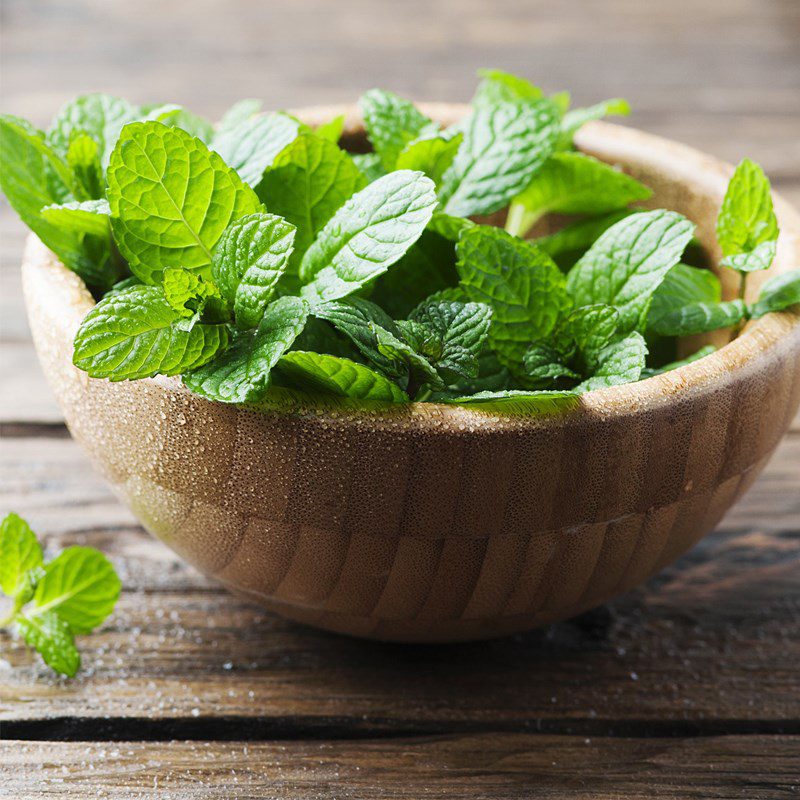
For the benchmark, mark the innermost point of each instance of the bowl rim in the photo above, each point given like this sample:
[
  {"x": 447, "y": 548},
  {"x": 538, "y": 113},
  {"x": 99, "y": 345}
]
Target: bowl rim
[{"x": 616, "y": 143}]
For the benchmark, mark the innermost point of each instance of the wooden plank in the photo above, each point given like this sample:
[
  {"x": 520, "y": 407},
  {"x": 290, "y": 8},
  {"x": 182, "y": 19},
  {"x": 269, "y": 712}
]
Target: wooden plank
[
  {"x": 712, "y": 642},
  {"x": 487, "y": 767}
]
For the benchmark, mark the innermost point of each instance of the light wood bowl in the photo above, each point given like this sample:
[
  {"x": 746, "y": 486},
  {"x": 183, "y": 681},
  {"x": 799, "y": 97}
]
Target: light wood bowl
[{"x": 439, "y": 523}]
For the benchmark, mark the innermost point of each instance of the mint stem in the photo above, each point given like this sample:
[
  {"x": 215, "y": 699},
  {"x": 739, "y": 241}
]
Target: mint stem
[{"x": 520, "y": 220}]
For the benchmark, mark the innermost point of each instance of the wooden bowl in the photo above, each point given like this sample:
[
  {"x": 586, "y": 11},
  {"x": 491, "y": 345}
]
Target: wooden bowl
[{"x": 439, "y": 523}]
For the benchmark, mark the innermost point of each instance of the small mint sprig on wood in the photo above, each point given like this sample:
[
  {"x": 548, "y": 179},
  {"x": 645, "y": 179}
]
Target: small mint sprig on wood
[{"x": 52, "y": 602}]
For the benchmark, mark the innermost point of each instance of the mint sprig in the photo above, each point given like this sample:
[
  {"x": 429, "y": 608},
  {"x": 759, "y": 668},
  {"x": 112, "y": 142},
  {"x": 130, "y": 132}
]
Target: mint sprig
[{"x": 51, "y": 602}]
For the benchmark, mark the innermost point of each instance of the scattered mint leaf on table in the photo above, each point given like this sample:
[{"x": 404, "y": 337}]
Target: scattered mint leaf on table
[{"x": 53, "y": 601}]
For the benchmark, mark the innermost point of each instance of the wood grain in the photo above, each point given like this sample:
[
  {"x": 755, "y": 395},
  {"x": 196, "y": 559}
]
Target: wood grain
[{"x": 487, "y": 767}]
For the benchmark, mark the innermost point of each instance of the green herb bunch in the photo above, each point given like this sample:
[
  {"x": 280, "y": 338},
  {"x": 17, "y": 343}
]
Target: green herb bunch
[
  {"x": 258, "y": 253},
  {"x": 51, "y": 602}
]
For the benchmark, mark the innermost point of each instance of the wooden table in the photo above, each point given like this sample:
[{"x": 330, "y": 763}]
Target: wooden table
[{"x": 687, "y": 688}]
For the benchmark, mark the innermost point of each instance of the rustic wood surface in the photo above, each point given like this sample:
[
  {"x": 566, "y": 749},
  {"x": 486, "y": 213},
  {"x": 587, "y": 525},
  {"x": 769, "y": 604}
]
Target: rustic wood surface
[{"x": 688, "y": 687}]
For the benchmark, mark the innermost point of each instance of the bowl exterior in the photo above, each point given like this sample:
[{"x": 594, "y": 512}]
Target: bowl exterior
[{"x": 425, "y": 524}]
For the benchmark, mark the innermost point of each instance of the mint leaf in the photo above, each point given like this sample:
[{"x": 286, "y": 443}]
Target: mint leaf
[
  {"x": 368, "y": 234},
  {"x": 164, "y": 214},
  {"x": 682, "y": 286},
  {"x": 135, "y": 333},
  {"x": 179, "y": 117},
  {"x": 369, "y": 165},
  {"x": 459, "y": 332},
  {"x": 504, "y": 145},
  {"x": 573, "y": 183},
  {"x": 525, "y": 289},
  {"x": 584, "y": 332},
  {"x": 628, "y": 262},
  {"x": 576, "y": 119},
  {"x": 189, "y": 294},
  {"x": 83, "y": 159},
  {"x": 700, "y": 318},
  {"x": 19, "y": 552},
  {"x": 339, "y": 376},
  {"x": 391, "y": 123},
  {"x": 85, "y": 217},
  {"x": 760, "y": 257},
  {"x": 497, "y": 86},
  {"x": 617, "y": 363},
  {"x": 420, "y": 369},
  {"x": 250, "y": 258},
  {"x": 778, "y": 293},
  {"x": 701, "y": 353},
  {"x": 746, "y": 218},
  {"x": 34, "y": 176},
  {"x": 433, "y": 155},
  {"x": 99, "y": 116},
  {"x": 515, "y": 401},
  {"x": 242, "y": 372},
  {"x": 331, "y": 130},
  {"x": 356, "y": 318},
  {"x": 238, "y": 113},
  {"x": 308, "y": 181},
  {"x": 52, "y": 638},
  {"x": 448, "y": 226},
  {"x": 569, "y": 243},
  {"x": 544, "y": 364},
  {"x": 428, "y": 267},
  {"x": 250, "y": 146},
  {"x": 79, "y": 585}
]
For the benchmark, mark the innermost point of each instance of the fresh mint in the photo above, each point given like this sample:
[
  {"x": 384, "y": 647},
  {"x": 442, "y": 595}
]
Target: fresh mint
[
  {"x": 51, "y": 602},
  {"x": 260, "y": 252}
]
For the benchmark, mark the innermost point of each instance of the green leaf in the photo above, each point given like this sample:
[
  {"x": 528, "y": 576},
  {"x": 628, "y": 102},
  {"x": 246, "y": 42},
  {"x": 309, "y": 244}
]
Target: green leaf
[
  {"x": 251, "y": 146},
  {"x": 701, "y": 353},
  {"x": 700, "y": 318},
  {"x": 339, "y": 376},
  {"x": 448, "y": 226},
  {"x": 179, "y": 117},
  {"x": 525, "y": 289},
  {"x": 242, "y": 372},
  {"x": 569, "y": 243},
  {"x": 52, "y": 638},
  {"x": 171, "y": 199},
  {"x": 778, "y": 293},
  {"x": 396, "y": 350},
  {"x": 586, "y": 330},
  {"x": 760, "y": 257},
  {"x": 514, "y": 401},
  {"x": 34, "y": 176},
  {"x": 459, "y": 330},
  {"x": 544, "y": 363},
  {"x": 85, "y": 217},
  {"x": 746, "y": 218},
  {"x": 369, "y": 165},
  {"x": 19, "y": 552},
  {"x": 682, "y": 286},
  {"x": 250, "y": 258},
  {"x": 331, "y": 130},
  {"x": 83, "y": 159},
  {"x": 573, "y": 120},
  {"x": 433, "y": 155},
  {"x": 80, "y": 585},
  {"x": 628, "y": 263},
  {"x": 428, "y": 267},
  {"x": 135, "y": 333},
  {"x": 620, "y": 362},
  {"x": 309, "y": 180},
  {"x": 391, "y": 123},
  {"x": 497, "y": 86},
  {"x": 189, "y": 294},
  {"x": 356, "y": 318},
  {"x": 238, "y": 113},
  {"x": 504, "y": 145},
  {"x": 100, "y": 116},
  {"x": 368, "y": 234},
  {"x": 573, "y": 183}
]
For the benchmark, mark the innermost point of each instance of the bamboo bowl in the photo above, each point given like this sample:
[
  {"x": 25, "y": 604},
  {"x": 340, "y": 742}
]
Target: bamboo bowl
[{"x": 440, "y": 523}]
